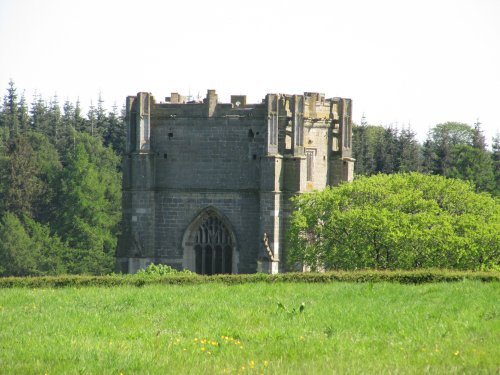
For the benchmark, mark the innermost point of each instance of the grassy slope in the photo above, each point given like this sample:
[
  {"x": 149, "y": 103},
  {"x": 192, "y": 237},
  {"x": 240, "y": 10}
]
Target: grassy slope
[{"x": 345, "y": 328}]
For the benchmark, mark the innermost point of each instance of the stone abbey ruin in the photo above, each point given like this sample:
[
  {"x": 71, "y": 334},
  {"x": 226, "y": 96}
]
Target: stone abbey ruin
[{"x": 207, "y": 185}]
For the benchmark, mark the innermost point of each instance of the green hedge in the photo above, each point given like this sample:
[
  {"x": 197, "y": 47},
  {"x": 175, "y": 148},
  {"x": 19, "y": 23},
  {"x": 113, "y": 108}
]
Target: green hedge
[{"x": 138, "y": 280}]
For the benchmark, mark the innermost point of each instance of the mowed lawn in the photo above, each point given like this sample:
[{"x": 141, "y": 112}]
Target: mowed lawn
[{"x": 344, "y": 328}]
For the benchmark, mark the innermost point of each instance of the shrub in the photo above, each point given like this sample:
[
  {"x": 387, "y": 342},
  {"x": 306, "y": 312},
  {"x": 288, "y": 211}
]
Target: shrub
[
  {"x": 399, "y": 221},
  {"x": 160, "y": 270},
  {"x": 184, "y": 278}
]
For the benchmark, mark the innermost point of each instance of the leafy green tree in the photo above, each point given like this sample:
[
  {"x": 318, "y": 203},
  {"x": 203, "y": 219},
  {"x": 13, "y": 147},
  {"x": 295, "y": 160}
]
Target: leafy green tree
[
  {"x": 398, "y": 221},
  {"x": 458, "y": 150}
]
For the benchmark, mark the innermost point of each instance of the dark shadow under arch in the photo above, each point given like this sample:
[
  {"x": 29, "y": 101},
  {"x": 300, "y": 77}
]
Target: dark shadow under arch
[{"x": 209, "y": 244}]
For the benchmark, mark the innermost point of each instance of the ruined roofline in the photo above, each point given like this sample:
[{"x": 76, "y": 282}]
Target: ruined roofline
[
  {"x": 240, "y": 100},
  {"x": 310, "y": 105}
]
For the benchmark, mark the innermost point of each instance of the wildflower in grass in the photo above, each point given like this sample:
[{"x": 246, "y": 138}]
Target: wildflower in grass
[
  {"x": 457, "y": 352},
  {"x": 203, "y": 349},
  {"x": 266, "y": 363}
]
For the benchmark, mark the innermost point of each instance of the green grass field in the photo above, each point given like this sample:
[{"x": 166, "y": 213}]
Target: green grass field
[{"x": 445, "y": 328}]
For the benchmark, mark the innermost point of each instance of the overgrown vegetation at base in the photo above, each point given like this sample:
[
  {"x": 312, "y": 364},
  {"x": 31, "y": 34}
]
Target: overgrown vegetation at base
[
  {"x": 445, "y": 328},
  {"x": 172, "y": 277},
  {"x": 399, "y": 221}
]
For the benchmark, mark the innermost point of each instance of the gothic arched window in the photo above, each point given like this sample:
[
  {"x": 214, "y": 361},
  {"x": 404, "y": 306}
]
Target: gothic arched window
[{"x": 213, "y": 247}]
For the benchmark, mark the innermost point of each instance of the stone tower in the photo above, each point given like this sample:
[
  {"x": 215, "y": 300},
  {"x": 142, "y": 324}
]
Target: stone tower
[{"x": 207, "y": 185}]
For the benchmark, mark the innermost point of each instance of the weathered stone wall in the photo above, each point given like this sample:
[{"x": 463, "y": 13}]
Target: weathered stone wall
[
  {"x": 207, "y": 153},
  {"x": 176, "y": 209},
  {"x": 240, "y": 161}
]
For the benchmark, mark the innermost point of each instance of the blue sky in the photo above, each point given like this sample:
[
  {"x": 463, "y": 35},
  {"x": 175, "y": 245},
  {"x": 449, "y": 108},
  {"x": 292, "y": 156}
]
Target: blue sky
[{"x": 402, "y": 62}]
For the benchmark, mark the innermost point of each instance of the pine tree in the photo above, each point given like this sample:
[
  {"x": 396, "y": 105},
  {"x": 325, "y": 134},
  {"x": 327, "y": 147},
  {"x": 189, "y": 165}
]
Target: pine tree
[
  {"x": 114, "y": 134},
  {"x": 91, "y": 120},
  {"x": 17, "y": 257},
  {"x": 23, "y": 115},
  {"x": 39, "y": 117},
  {"x": 478, "y": 139},
  {"x": 21, "y": 186},
  {"x": 54, "y": 121},
  {"x": 80, "y": 123},
  {"x": 88, "y": 210},
  {"x": 408, "y": 151},
  {"x": 10, "y": 116},
  {"x": 101, "y": 120},
  {"x": 495, "y": 156}
]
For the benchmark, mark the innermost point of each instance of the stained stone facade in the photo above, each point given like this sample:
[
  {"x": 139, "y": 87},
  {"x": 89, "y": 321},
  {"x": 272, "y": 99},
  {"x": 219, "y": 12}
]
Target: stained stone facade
[{"x": 206, "y": 185}]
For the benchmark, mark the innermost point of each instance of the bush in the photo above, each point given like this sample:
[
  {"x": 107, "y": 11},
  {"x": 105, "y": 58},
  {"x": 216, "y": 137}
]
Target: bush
[
  {"x": 160, "y": 270},
  {"x": 399, "y": 221},
  {"x": 183, "y": 278}
]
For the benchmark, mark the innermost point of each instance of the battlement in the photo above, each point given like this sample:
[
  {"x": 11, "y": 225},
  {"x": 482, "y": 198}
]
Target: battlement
[
  {"x": 285, "y": 115},
  {"x": 314, "y": 106}
]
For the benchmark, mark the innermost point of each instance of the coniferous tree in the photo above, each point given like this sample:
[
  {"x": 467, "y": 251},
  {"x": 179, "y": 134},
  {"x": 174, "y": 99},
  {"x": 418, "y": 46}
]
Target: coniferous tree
[
  {"x": 91, "y": 120},
  {"x": 23, "y": 115},
  {"x": 428, "y": 156},
  {"x": 114, "y": 134},
  {"x": 39, "y": 117},
  {"x": 408, "y": 151},
  {"x": 101, "y": 119},
  {"x": 21, "y": 186},
  {"x": 496, "y": 162},
  {"x": 79, "y": 199},
  {"x": 88, "y": 211},
  {"x": 54, "y": 121},
  {"x": 459, "y": 151},
  {"x": 10, "y": 115},
  {"x": 478, "y": 139},
  {"x": 67, "y": 129},
  {"x": 16, "y": 248},
  {"x": 80, "y": 123}
]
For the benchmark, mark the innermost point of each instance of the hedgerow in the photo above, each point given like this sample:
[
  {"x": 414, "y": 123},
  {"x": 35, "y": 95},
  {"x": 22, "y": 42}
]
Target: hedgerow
[{"x": 362, "y": 276}]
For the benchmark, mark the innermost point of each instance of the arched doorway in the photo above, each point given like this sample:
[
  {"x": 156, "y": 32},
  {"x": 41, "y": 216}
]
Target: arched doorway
[{"x": 210, "y": 245}]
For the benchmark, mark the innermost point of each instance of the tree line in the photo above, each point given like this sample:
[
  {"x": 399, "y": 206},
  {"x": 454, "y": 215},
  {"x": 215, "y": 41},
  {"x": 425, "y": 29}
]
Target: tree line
[
  {"x": 452, "y": 149},
  {"x": 60, "y": 186},
  {"x": 60, "y": 177}
]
